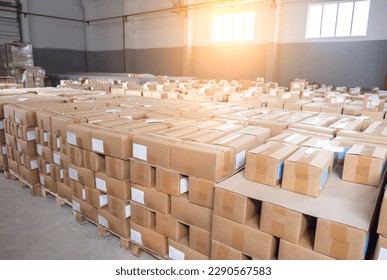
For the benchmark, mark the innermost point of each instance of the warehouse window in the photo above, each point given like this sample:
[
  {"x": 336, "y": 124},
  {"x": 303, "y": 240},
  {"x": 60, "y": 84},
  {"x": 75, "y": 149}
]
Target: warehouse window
[
  {"x": 337, "y": 19},
  {"x": 233, "y": 27}
]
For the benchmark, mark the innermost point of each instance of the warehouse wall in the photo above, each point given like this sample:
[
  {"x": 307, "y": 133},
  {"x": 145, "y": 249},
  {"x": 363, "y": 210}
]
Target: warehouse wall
[{"x": 58, "y": 45}]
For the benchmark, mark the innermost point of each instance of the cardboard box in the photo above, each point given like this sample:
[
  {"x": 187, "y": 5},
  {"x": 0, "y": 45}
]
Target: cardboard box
[
  {"x": 118, "y": 208},
  {"x": 382, "y": 224},
  {"x": 283, "y": 223},
  {"x": 245, "y": 238},
  {"x": 78, "y": 190},
  {"x": 79, "y": 135},
  {"x": 143, "y": 216},
  {"x": 200, "y": 240},
  {"x": 60, "y": 159},
  {"x": 26, "y": 133},
  {"x": 64, "y": 191},
  {"x": 82, "y": 175},
  {"x": 10, "y": 140},
  {"x": 348, "y": 123},
  {"x": 93, "y": 161},
  {"x": 340, "y": 241},
  {"x": 235, "y": 207},
  {"x": 151, "y": 198},
  {"x": 372, "y": 104},
  {"x": 118, "y": 226},
  {"x": 142, "y": 174},
  {"x": 149, "y": 239},
  {"x": 191, "y": 214},
  {"x": 85, "y": 209},
  {"x": 381, "y": 248},
  {"x": 111, "y": 186},
  {"x": 112, "y": 142},
  {"x": 274, "y": 126},
  {"x": 307, "y": 171},
  {"x": 14, "y": 166},
  {"x": 170, "y": 227},
  {"x": 153, "y": 149},
  {"x": 117, "y": 168},
  {"x": 62, "y": 141},
  {"x": 289, "y": 138},
  {"x": 31, "y": 176},
  {"x": 25, "y": 116},
  {"x": 27, "y": 148},
  {"x": 219, "y": 160},
  {"x": 171, "y": 182},
  {"x": 41, "y": 137},
  {"x": 95, "y": 197},
  {"x": 180, "y": 251},
  {"x": 364, "y": 164},
  {"x": 30, "y": 163},
  {"x": 220, "y": 251},
  {"x": 332, "y": 109},
  {"x": 204, "y": 136},
  {"x": 265, "y": 163},
  {"x": 201, "y": 192},
  {"x": 378, "y": 127},
  {"x": 290, "y": 251},
  {"x": 261, "y": 133},
  {"x": 43, "y": 119},
  {"x": 352, "y": 110},
  {"x": 75, "y": 156}
]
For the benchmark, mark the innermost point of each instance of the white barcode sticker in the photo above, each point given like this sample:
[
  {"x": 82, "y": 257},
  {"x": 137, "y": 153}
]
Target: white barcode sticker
[
  {"x": 19, "y": 147},
  {"x": 4, "y": 150},
  {"x": 128, "y": 211},
  {"x": 102, "y": 221},
  {"x": 240, "y": 159},
  {"x": 57, "y": 158},
  {"x": 103, "y": 200},
  {"x": 31, "y": 135},
  {"x": 138, "y": 196},
  {"x": 175, "y": 254},
  {"x": 73, "y": 174},
  {"x": 6, "y": 114},
  {"x": 295, "y": 85},
  {"x": 183, "y": 185},
  {"x": 1, "y": 124},
  {"x": 34, "y": 164},
  {"x": 140, "y": 151},
  {"x": 45, "y": 137},
  {"x": 286, "y": 96},
  {"x": 382, "y": 254},
  {"x": 58, "y": 144},
  {"x": 41, "y": 179},
  {"x": 17, "y": 118},
  {"x": 39, "y": 149},
  {"x": 22, "y": 160},
  {"x": 48, "y": 168},
  {"x": 76, "y": 206},
  {"x": 135, "y": 236},
  {"x": 97, "y": 145},
  {"x": 18, "y": 133},
  {"x": 61, "y": 173},
  {"x": 101, "y": 184},
  {"x": 71, "y": 138}
]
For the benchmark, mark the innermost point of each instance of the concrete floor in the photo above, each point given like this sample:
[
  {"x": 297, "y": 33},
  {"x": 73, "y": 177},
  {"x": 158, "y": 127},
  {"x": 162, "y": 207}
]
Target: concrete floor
[{"x": 34, "y": 228}]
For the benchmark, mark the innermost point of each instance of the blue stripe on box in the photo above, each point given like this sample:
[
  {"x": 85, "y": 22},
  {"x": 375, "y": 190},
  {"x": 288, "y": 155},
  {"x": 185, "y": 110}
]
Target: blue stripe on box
[
  {"x": 367, "y": 241},
  {"x": 324, "y": 177},
  {"x": 343, "y": 153},
  {"x": 280, "y": 170}
]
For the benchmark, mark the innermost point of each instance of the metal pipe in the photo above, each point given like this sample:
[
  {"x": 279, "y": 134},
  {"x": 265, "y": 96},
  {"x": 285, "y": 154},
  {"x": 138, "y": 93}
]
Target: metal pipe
[
  {"x": 18, "y": 16},
  {"x": 41, "y": 15},
  {"x": 123, "y": 41}
]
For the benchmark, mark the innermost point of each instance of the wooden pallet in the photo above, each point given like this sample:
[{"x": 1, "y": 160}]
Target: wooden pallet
[
  {"x": 35, "y": 189},
  {"x": 7, "y": 174},
  {"x": 60, "y": 201}
]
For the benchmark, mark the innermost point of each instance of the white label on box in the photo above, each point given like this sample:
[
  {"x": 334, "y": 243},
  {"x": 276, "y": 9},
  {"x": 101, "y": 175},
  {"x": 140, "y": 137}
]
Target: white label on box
[
  {"x": 6, "y": 141},
  {"x": 97, "y": 145},
  {"x": 286, "y": 96},
  {"x": 100, "y": 184},
  {"x": 95, "y": 121},
  {"x": 31, "y": 135},
  {"x": 249, "y": 93},
  {"x": 6, "y": 114},
  {"x": 48, "y": 168},
  {"x": 183, "y": 185},
  {"x": 41, "y": 179},
  {"x": 175, "y": 254},
  {"x": 58, "y": 142},
  {"x": 76, "y": 206},
  {"x": 135, "y": 236},
  {"x": 23, "y": 99},
  {"x": 18, "y": 133},
  {"x": 71, "y": 138},
  {"x": 240, "y": 159},
  {"x": 291, "y": 138},
  {"x": 128, "y": 211},
  {"x": 113, "y": 111},
  {"x": 1, "y": 124},
  {"x": 140, "y": 151},
  {"x": 138, "y": 196},
  {"x": 382, "y": 254},
  {"x": 102, "y": 221},
  {"x": 57, "y": 158},
  {"x": 307, "y": 93},
  {"x": 127, "y": 117},
  {"x": 17, "y": 118},
  {"x": 273, "y": 91},
  {"x": 296, "y": 85},
  {"x": 45, "y": 137},
  {"x": 340, "y": 99},
  {"x": 39, "y": 148},
  {"x": 61, "y": 173},
  {"x": 22, "y": 160},
  {"x": 154, "y": 121},
  {"x": 84, "y": 194},
  {"x": 103, "y": 200},
  {"x": 34, "y": 164},
  {"x": 73, "y": 174},
  {"x": 4, "y": 150},
  {"x": 19, "y": 147},
  {"x": 375, "y": 103}
]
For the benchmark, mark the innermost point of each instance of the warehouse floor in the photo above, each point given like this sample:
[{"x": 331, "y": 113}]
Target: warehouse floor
[{"x": 34, "y": 228}]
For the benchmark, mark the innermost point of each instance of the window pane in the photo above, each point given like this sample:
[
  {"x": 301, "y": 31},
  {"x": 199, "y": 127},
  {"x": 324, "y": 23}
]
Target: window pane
[
  {"x": 249, "y": 26},
  {"x": 329, "y": 20},
  {"x": 216, "y": 32},
  {"x": 360, "y": 18},
  {"x": 238, "y": 27},
  {"x": 344, "y": 19},
  {"x": 227, "y": 27},
  {"x": 314, "y": 21}
]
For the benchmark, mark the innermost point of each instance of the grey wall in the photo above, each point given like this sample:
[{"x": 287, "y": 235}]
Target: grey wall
[{"x": 105, "y": 61}]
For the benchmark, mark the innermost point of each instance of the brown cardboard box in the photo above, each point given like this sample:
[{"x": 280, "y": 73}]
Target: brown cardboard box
[
  {"x": 375, "y": 115},
  {"x": 82, "y": 175},
  {"x": 340, "y": 241},
  {"x": 331, "y": 109},
  {"x": 78, "y": 190},
  {"x": 201, "y": 192},
  {"x": 180, "y": 251},
  {"x": 143, "y": 216},
  {"x": 170, "y": 227},
  {"x": 64, "y": 191},
  {"x": 381, "y": 248},
  {"x": 93, "y": 161},
  {"x": 151, "y": 198},
  {"x": 204, "y": 135},
  {"x": 374, "y": 105},
  {"x": 79, "y": 135},
  {"x": 118, "y": 208},
  {"x": 45, "y": 153},
  {"x": 43, "y": 119},
  {"x": 153, "y": 149},
  {"x": 307, "y": 171},
  {"x": 25, "y": 116},
  {"x": 364, "y": 164},
  {"x": 171, "y": 182},
  {"x": 179, "y": 131},
  {"x": 260, "y": 133},
  {"x": 30, "y": 163},
  {"x": 112, "y": 142},
  {"x": 283, "y": 223},
  {"x": 352, "y": 110},
  {"x": 377, "y": 127},
  {"x": 290, "y": 251},
  {"x": 235, "y": 207},
  {"x": 31, "y": 176},
  {"x": 274, "y": 126},
  {"x": 348, "y": 123},
  {"x": 149, "y": 239},
  {"x": 289, "y": 138},
  {"x": 245, "y": 238},
  {"x": 322, "y": 120},
  {"x": 75, "y": 155},
  {"x": 111, "y": 186},
  {"x": 265, "y": 163},
  {"x": 200, "y": 240},
  {"x": 220, "y": 251},
  {"x": 85, "y": 209},
  {"x": 41, "y": 137},
  {"x": 27, "y": 148},
  {"x": 117, "y": 168},
  {"x": 95, "y": 197},
  {"x": 191, "y": 214},
  {"x": 57, "y": 173},
  {"x": 142, "y": 174},
  {"x": 14, "y": 166},
  {"x": 10, "y": 140},
  {"x": 27, "y": 133},
  {"x": 118, "y": 226},
  {"x": 60, "y": 159},
  {"x": 52, "y": 141},
  {"x": 63, "y": 144},
  {"x": 219, "y": 160},
  {"x": 382, "y": 225},
  {"x": 48, "y": 182}
]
